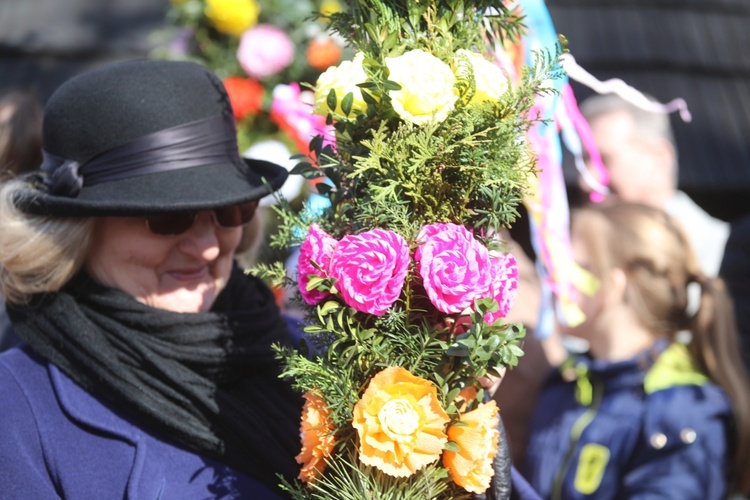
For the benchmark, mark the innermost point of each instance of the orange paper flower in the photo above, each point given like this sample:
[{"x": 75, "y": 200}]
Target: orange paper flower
[
  {"x": 318, "y": 440},
  {"x": 245, "y": 95},
  {"x": 400, "y": 423},
  {"x": 466, "y": 396},
  {"x": 323, "y": 53},
  {"x": 471, "y": 468}
]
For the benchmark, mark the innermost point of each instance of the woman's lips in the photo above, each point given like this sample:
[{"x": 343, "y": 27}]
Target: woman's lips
[{"x": 191, "y": 274}]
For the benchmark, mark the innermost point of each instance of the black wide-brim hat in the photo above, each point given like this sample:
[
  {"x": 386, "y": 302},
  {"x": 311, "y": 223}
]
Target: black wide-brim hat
[{"x": 143, "y": 137}]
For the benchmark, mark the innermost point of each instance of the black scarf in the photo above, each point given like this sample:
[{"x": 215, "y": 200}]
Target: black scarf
[{"x": 207, "y": 382}]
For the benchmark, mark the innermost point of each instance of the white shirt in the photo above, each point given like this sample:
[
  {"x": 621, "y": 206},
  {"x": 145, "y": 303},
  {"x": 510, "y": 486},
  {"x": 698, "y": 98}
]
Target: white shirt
[{"x": 708, "y": 235}]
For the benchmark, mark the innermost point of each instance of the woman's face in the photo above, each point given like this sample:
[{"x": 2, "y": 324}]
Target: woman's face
[{"x": 182, "y": 273}]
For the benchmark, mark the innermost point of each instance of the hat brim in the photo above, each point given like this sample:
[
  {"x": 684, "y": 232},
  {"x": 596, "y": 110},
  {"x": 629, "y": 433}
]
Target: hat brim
[{"x": 196, "y": 188}]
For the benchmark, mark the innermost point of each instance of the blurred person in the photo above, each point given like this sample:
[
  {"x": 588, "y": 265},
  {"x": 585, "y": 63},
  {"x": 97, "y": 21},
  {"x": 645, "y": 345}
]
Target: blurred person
[
  {"x": 7, "y": 338},
  {"x": 20, "y": 133},
  {"x": 20, "y": 152},
  {"x": 735, "y": 271},
  {"x": 517, "y": 395},
  {"x": 146, "y": 369},
  {"x": 252, "y": 238},
  {"x": 643, "y": 415},
  {"x": 639, "y": 152}
]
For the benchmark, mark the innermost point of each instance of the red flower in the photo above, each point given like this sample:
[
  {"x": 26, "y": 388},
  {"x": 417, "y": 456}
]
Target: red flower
[{"x": 246, "y": 96}]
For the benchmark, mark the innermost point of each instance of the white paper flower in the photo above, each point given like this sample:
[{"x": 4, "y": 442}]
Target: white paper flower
[
  {"x": 427, "y": 87},
  {"x": 343, "y": 79},
  {"x": 490, "y": 81}
]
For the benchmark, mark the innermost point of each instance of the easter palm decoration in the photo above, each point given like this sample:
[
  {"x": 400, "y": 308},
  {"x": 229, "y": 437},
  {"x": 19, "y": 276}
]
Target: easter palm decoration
[{"x": 404, "y": 278}]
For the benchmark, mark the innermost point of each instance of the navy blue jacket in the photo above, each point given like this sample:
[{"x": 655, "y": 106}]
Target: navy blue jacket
[
  {"x": 632, "y": 429},
  {"x": 57, "y": 441}
]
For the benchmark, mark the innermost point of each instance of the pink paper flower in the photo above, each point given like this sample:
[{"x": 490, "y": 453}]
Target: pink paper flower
[
  {"x": 265, "y": 50},
  {"x": 454, "y": 266},
  {"x": 291, "y": 110},
  {"x": 318, "y": 247},
  {"x": 504, "y": 286},
  {"x": 371, "y": 268}
]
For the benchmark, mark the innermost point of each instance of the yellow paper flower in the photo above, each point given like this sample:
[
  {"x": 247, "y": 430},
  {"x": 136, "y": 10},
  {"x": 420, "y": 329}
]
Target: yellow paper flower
[
  {"x": 343, "y": 79},
  {"x": 400, "y": 423},
  {"x": 316, "y": 431},
  {"x": 471, "y": 468},
  {"x": 490, "y": 81},
  {"x": 427, "y": 91},
  {"x": 329, "y": 7},
  {"x": 232, "y": 17}
]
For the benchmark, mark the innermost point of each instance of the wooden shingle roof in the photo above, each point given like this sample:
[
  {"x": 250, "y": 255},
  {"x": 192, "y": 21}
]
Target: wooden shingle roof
[
  {"x": 697, "y": 50},
  {"x": 44, "y": 42}
]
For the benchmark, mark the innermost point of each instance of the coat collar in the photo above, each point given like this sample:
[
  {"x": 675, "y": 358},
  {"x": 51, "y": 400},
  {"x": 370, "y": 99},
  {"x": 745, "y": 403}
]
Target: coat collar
[
  {"x": 87, "y": 410},
  {"x": 91, "y": 413}
]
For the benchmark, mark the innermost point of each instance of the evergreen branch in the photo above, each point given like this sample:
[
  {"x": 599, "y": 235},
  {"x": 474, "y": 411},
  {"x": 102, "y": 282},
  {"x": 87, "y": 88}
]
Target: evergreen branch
[
  {"x": 346, "y": 478},
  {"x": 274, "y": 273}
]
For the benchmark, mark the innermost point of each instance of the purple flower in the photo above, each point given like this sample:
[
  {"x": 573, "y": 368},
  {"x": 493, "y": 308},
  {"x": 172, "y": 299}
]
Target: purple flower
[
  {"x": 264, "y": 50},
  {"x": 371, "y": 268},
  {"x": 504, "y": 286},
  {"x": 179, "y": 46},
  {"x": 454, "y": 266},
  {"x": 318, "y": 248}
]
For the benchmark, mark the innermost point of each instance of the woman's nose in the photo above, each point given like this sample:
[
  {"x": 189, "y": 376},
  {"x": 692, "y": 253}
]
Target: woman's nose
[{"x": 201, "y": 241}]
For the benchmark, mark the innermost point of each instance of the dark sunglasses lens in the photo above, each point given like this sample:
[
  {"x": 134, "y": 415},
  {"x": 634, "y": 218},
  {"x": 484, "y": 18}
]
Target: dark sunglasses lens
[
  {"x": 170, "y": 224},
  {"x": 236, "y": 215}
]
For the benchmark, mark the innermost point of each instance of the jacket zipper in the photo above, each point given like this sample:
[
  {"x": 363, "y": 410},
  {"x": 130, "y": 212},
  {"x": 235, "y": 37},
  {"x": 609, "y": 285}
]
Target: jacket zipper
[{"x": 589, "y": 393}]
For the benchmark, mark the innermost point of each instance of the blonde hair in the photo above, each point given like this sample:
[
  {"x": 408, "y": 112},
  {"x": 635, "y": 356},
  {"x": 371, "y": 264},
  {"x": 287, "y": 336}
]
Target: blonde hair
[
  {"x": 652, "y": 249},
  {"x": 37, "y": 253}
]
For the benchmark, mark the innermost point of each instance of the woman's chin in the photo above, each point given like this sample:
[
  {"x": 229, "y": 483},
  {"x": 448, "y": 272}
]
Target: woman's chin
[{"x": 183, "y": 300}]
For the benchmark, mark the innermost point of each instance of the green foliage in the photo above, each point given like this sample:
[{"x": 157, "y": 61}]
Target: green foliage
[
  {"x": 386, "y": 28},
  {"x": 472, "y": 168},
  {"x": 483, "y": 347},
  {"x": 273, "y": 273}
]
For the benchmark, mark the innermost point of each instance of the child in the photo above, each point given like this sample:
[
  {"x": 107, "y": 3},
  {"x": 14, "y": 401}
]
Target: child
[{"x": 660, "y": 405}]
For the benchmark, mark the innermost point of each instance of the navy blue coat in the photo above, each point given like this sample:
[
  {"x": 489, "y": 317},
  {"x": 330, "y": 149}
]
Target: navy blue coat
[
  {"x": 57, "y": 441},
  {"x": 630, "y": 430}
]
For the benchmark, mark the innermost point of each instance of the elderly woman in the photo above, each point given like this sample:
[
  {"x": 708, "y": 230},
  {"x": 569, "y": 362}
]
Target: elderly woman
[{"x": 146, "y": 369}]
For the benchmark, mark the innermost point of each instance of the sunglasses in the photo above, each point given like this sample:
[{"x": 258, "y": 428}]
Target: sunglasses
[{"x": 176, "y": 223}]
